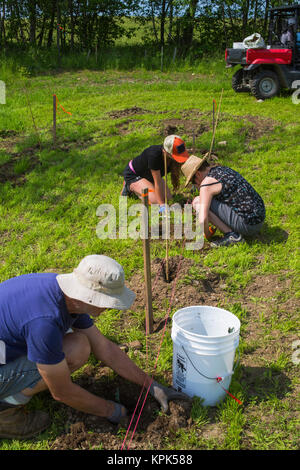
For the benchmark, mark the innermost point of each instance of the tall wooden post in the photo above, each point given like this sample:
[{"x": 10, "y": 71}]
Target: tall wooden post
[{"x": 147, "y": 264}]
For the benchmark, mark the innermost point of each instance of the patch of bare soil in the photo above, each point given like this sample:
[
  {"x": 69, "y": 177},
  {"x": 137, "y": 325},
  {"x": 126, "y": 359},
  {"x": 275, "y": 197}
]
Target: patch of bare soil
[
  {"x": 87, "y": 431},
  {"x": 208, "y": 289},
  {"x": 194, "y": 123},
  {"x": 256, "y": 126},
  {"x": 185, "y": 126},
  {"x": 7, "y": 170},
  {"x": 127, "y": 112},
  {"x": 125, "y": 126}
]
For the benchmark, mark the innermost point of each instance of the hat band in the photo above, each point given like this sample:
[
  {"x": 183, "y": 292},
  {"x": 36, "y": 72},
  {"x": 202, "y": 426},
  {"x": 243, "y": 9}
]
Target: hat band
[{"x": 95, "y": 286}]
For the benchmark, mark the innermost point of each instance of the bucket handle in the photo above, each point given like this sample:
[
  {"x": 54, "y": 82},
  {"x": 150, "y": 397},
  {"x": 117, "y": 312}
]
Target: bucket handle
[{"x": 214, "y": 378}]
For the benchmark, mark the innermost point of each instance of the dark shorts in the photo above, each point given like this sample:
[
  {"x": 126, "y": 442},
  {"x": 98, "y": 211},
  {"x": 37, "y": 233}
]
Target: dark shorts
[
  {"x": 233, "y": 220},
  {"x": 130, "y": 177},
  {"x": 17, "y": 375}
]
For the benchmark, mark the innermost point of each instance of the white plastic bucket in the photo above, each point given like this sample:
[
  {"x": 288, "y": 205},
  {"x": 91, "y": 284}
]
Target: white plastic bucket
[{"x": 205, "y": 340}]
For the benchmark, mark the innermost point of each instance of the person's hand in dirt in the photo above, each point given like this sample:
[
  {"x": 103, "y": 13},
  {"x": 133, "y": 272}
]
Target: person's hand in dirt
[
  {"x": 164, "y": 394},
  {"x": 119, "y": 414}
]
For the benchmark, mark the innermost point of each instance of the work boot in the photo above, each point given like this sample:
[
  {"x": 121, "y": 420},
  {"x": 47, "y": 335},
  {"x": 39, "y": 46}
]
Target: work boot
[{"x": 16, "y": 423}]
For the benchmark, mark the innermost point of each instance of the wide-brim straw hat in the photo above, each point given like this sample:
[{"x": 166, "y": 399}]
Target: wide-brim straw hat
[
  {"x": 191, "y": 166},
  {"x": 99, "y": 281}
]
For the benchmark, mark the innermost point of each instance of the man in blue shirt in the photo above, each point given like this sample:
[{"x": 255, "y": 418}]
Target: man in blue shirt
[{"x": 38, "y": 351}]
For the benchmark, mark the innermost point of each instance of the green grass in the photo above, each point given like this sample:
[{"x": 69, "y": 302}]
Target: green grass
[{"x": 48, "y": 221}]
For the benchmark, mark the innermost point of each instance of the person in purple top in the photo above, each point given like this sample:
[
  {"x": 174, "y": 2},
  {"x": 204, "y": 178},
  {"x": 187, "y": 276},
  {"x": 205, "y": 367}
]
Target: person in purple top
[{"x": 46, "y": 333}]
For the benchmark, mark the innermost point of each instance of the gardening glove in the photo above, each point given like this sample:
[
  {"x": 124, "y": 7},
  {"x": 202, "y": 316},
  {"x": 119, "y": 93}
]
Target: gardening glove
[
  {"x": 212, "y": 231},
  {"x": 163, "y": 395},
  {"x": 119, "y": 413},
  {"x": 162, "y": 209},
  {"x": 164, "y": 212}
]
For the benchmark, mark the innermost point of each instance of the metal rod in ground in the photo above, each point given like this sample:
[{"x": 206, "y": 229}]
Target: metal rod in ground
[
  {"x": 54, "y": 120},
  {"x": 147, "y": 264},
  {"x": 167, "y": 219}
]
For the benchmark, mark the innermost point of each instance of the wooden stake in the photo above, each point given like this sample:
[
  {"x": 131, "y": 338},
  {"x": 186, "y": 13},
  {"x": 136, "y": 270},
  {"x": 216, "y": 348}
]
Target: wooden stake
[
  {"x": 33, "y": 120},
  {"x": 54, "y": 120},
  {"x": 215, "y": 127},
  {"x": 147, "y": 266},
  {"x": 214, "y": 102},
  {"x": 167, "y": 220}
]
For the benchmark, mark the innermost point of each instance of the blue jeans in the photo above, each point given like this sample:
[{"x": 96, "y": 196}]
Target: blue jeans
[{"x": 18, "y": 375}]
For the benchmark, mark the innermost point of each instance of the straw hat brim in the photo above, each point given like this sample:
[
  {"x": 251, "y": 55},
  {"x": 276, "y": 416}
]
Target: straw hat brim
[
  {"x": 75, "y": 290},
  {"x": 194, "y": 169}
]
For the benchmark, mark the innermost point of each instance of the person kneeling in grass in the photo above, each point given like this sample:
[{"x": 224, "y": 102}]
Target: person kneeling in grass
[
  {"x": 225, "y": 200},
  {"x": 147, "y": 170},
  {"x": 38, "y": 351}
]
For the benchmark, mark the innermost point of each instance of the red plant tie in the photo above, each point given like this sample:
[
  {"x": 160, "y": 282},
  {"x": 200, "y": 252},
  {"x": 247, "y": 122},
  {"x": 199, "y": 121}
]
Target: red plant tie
[{"x": 219, "y": 380}]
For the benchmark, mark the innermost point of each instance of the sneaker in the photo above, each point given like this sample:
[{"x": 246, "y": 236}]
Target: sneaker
[
  {"x": 229, "y": 238},
  {"x": 16, "y": 423},
  {"x": 125, "y": 191}
]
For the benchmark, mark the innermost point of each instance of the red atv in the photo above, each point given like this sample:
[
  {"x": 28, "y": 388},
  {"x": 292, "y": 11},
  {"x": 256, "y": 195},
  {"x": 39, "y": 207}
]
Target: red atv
[{"x": 264, "y": 71}]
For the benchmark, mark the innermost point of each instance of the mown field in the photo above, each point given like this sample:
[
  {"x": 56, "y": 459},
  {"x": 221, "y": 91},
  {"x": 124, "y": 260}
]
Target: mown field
[{"x": 48, "y": 203}]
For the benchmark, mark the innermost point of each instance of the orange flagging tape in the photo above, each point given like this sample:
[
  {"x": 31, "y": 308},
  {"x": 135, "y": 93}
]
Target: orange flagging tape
[
  {"x": 149, "y": 191},
  {"x": 62, "y": 106}
]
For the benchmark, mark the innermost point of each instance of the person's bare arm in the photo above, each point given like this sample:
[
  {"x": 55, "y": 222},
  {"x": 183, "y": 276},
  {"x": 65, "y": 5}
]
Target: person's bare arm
[
  {"x": 158, "y": 186},
  {"x": 114, "y": 357},
  {"x": 205, "y": 197},
  {"x": 58, "y": 380},
  {"x": 109, "y": 353}
]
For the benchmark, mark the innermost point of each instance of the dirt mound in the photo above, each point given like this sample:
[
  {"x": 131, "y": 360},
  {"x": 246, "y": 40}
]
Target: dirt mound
[
  {"x": 88, "y": 432},
  {"x": 195, "y": 284},
  {"x": 127, "y": 112},
  {"x": 185, "y": 126}
]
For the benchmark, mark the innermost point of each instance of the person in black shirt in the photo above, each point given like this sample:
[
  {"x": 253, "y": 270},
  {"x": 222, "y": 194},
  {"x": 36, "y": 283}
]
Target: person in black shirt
[
  {"x": 225, "y": 199},
  {"x": 147, "y": 170}
]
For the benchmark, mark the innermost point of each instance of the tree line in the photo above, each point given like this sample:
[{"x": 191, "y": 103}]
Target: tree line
[{"x": 88, "y": 24}]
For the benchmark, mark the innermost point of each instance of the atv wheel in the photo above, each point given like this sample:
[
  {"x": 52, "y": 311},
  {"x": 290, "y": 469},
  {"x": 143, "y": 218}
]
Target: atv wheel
[
  {"x": 265, "y": 85},
  {"x": 237, "y": 82}
]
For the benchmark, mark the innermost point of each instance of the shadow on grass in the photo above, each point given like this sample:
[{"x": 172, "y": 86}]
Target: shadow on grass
[
  {"x": 269, "y": 235},
  {"x": 264, "y": 382}
]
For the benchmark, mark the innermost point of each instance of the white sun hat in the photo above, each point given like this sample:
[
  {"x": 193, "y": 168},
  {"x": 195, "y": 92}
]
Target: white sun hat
[{"x": 99, "y": 281}]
